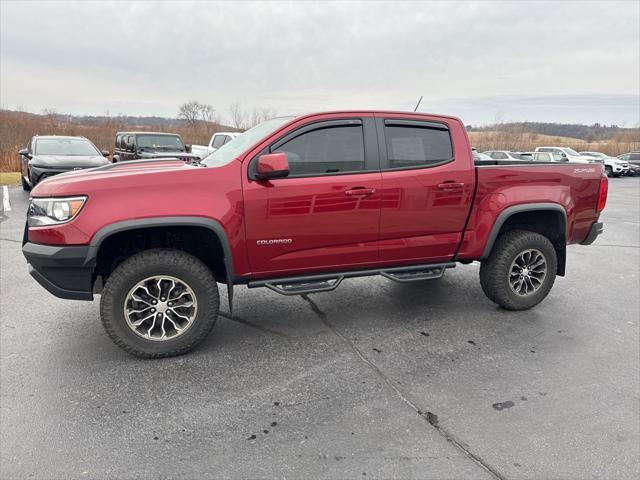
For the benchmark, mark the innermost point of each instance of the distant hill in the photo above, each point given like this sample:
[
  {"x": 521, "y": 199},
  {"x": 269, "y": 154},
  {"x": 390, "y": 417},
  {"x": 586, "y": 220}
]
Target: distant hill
[{"x": 589, "y": 133}]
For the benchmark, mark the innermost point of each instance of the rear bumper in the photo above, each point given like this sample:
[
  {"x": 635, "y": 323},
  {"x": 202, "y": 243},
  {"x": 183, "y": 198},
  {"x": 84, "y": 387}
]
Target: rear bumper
[
  {"x": 62, "y": 271},
  {"x": 596, "y": 229}
]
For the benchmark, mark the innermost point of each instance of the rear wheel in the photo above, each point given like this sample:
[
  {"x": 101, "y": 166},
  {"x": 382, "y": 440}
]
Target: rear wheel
[
  {"x": 520, "y": 270},
  {"x": 159, "y": 303}
]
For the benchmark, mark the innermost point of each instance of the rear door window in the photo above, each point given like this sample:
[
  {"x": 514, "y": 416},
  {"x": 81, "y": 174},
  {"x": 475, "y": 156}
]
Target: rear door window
[{"x": 410, "y": 145}]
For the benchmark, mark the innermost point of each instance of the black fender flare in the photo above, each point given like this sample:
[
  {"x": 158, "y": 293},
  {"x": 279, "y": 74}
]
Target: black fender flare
[
  {"x": 205, "y": 222},
  {"x": 527, "y": 207}
]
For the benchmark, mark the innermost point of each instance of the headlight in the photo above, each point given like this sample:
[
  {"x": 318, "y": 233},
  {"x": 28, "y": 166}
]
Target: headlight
[{"x": 53, "y": 211}]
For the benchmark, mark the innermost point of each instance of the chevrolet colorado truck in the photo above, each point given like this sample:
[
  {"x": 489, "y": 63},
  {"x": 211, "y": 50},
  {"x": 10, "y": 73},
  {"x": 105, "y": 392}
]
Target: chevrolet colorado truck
[{"x": 297, "y": 205}]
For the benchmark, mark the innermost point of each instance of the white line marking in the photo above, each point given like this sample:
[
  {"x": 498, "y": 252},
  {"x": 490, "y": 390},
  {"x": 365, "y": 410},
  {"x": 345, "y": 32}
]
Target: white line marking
[{"x": 6, "y": 206}]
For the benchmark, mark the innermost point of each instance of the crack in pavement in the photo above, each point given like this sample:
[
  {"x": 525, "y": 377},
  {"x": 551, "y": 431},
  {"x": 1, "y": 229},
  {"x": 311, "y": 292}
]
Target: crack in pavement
[
  {"x": 430, "y": 417},
  {"x": 11, "y": 240},
  {"x": 253, "y": 325}
]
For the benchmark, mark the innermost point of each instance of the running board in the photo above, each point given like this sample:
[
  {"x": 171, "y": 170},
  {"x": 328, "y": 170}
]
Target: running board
[{"x": 330, "y": 281}]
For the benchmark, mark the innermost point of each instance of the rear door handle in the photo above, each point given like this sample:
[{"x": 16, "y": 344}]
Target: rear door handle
[
  {"x": 451, "y": 186},
  {"x": 359, "y": 191}
]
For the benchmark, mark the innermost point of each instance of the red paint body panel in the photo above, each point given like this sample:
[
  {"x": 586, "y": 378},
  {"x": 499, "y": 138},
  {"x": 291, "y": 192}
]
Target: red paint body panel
[
  {"x": 404, "y": 217},
  {"x": 420, "y": 221},
  {"x": 137, "y": 191},
  {"x": 575, "y": 187}
]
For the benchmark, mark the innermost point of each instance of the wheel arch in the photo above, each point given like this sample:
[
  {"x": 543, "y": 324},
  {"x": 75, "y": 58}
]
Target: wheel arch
[
  {"x": 149, "y": 225},
  {"x": 548, "y": 219}
]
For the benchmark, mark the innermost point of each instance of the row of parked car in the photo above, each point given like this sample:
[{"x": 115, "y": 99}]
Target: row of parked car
[
  {"x": 627, "y": 164},
  {"x": 48, "y": 155}
]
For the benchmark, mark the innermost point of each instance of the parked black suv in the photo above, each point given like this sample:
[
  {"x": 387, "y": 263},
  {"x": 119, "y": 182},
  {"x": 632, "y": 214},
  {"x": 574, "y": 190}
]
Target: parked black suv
[
  {"x": 48, "y": 155},
  {"x": 147, "y": 145}
]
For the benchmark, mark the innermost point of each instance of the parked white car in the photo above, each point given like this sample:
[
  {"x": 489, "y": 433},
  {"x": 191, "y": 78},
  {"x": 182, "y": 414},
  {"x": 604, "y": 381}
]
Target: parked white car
[
  {"x": 567, "y": 154},
  {"x": 612, "y": 165},
  {"x": 218, "y": 139}
]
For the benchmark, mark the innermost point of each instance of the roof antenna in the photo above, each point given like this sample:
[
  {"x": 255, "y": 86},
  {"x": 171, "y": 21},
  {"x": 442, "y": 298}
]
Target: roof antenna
[{"x": 418, "y": 104}]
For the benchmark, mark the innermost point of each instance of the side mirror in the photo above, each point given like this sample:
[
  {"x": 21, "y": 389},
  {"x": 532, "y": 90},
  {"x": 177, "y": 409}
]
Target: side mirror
[
  {"x": 25, "y": 153},
  {"x": 105, "y": 153},
  {"x": 272, "y": 165},
  {"x": 187, "y": 148},
  {"x": 131, "y": 147}
]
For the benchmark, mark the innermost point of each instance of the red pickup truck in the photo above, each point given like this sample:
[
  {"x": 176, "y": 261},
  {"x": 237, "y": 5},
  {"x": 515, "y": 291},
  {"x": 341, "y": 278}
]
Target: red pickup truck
[{"x": 297, "y": 204}]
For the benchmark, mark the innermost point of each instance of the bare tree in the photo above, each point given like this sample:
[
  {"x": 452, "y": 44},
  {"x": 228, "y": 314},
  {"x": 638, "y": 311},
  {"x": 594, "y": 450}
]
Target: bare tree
[
  {"x": 238, "y": 116},
  {"x": 190, "y": 112},
  {"x": 259, "y": 115},
  {"x": 207, "y": 113},
  {"x": 200, "y": 118},
  {"x": 51, "y": 117}
]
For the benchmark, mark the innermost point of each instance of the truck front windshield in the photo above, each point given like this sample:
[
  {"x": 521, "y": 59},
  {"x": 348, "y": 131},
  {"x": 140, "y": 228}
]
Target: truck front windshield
[
  {"x": 243, "y": 142},
  {"x": 160, "y": 142}
]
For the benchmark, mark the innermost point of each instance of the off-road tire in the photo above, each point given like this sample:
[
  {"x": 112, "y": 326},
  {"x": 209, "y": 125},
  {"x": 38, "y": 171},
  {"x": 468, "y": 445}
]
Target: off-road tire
[
  {"x": 175, "y": 263},
  {"x": 25, "y": 186},
  {"x": 495, "y": 270}
]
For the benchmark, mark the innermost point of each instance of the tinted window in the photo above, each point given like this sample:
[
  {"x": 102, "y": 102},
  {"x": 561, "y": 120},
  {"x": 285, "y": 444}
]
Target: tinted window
[
  {"x": 634, "y": 156},
  {"x": 219, "y": 141},
  {"x": 409, "y": 146},
  {"x": 499, "y": 155},
  {"x": 327, "y": 150}
]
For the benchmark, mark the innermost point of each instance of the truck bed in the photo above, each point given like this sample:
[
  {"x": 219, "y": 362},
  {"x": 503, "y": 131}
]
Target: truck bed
[{"x": 500, "y": 186}]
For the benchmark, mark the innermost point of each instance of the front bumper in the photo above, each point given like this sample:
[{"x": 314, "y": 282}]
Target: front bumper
[
  {"x": 63, "y": 271},
  {"x": 596, "y": 229},
  {"x": 41, "y": 173}
]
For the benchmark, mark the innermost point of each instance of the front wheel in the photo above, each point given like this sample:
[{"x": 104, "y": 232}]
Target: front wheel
[
  {"x": 520, "y": 270},
  {"x": 25, "y": 185},
  {"x": 159, "y": 303}
]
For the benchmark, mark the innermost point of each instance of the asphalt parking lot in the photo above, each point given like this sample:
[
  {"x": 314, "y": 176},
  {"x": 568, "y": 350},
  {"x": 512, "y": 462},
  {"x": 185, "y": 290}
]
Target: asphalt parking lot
[{"x": 377, "y": 379}]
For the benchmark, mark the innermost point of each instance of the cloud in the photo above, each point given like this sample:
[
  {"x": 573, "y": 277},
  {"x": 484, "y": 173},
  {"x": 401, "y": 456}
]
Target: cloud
[{"x": 149, "y": 57}]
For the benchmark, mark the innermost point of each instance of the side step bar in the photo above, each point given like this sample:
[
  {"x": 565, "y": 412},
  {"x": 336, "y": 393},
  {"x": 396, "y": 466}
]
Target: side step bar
[{"x": 330, "y": 281}]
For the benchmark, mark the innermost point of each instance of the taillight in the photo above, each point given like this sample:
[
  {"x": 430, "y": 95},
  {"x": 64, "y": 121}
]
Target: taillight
[{"x": 602, "y": 194}]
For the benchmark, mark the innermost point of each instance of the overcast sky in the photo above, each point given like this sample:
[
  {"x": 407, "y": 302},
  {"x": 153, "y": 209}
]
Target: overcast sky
[{"x": 539, "y": 61}]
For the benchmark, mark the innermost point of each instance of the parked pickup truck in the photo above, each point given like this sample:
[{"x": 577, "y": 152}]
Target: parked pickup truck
[
  {"x": 218, "y": 139},
  {"x": 297, "y": 205},
  {"x": 566, "y": 154}
]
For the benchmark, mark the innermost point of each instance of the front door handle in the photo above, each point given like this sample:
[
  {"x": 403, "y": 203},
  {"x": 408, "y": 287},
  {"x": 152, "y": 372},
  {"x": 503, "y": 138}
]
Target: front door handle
[
  {"x": 359, "y": 191},
  {"x": 451, "y": 186}
]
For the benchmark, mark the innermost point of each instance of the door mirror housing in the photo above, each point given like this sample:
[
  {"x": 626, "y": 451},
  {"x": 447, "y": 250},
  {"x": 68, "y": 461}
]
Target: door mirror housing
[
  {"x": 272, "y": 165},
  {"x": 187, "y": 148},
  {"x": 25, "y": 153},
  {"x": 105, "y": 153}
]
